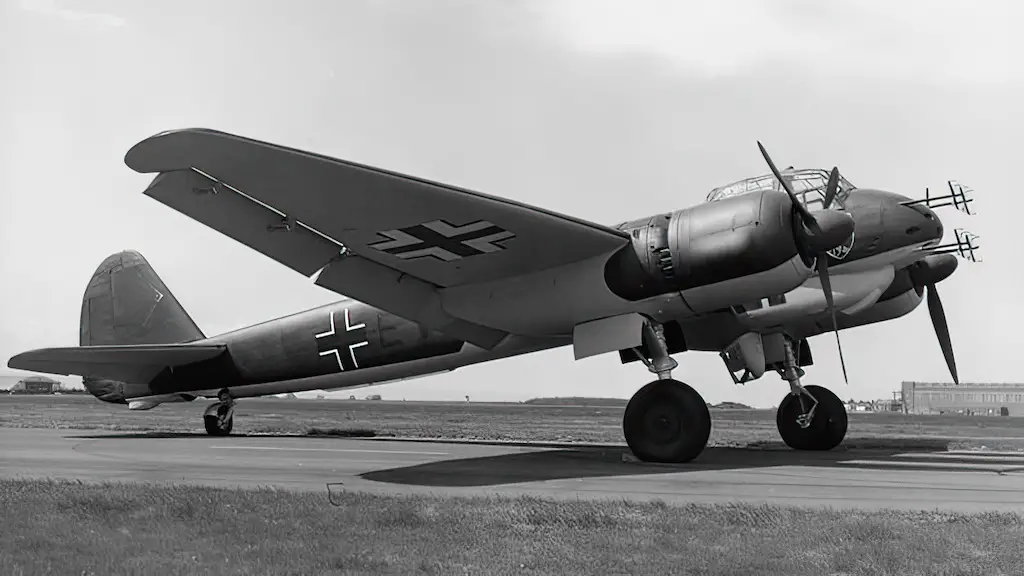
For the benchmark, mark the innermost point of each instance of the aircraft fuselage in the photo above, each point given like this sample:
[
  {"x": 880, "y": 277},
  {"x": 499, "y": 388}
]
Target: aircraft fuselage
[
  {"x": 339, "y": 345},
  {"x": 350, "y": 344}
]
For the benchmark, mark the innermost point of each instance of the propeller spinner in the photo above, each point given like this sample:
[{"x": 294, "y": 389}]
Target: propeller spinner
[{"x": 819, "y": 233}]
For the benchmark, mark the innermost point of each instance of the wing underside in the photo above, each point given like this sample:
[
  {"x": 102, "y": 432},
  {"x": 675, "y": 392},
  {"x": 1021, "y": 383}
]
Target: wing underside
[{"x": 383, "y": 238}]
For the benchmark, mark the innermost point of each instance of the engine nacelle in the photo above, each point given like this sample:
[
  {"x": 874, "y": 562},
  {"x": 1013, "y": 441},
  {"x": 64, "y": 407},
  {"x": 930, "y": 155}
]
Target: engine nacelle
[
  {"x": 730, "y": 251},
  {"x": 885, "y": 310}
]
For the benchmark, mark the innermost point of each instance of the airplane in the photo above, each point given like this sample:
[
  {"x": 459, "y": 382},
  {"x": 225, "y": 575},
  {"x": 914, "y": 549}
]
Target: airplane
[{"x": 436, "y": 277}]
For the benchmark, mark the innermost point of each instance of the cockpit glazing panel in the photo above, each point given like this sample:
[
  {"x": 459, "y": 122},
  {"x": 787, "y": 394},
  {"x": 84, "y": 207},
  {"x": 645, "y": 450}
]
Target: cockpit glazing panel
[{"x": 808, "y": 184}]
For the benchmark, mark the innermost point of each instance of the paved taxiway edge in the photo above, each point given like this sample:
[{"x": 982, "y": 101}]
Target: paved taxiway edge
[
  {"x": 872, "y": 479},
  {"x": 917, "y": 443}
]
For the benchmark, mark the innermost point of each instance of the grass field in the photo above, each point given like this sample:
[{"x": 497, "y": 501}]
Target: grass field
[
  {"x": 67, "y": 528},
  {"x": 482, "y": 421},
  {"x": 71, "y": 528}
]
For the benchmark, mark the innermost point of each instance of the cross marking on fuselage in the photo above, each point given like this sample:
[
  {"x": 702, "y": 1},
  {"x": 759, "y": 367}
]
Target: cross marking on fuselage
[{"x": 328, "y": 346}]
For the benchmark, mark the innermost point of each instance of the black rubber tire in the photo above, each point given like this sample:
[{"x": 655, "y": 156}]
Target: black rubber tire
[
  {"x": 212, "y": 423},
  {"x": 826, "y": 431},
  {"x": 666, "y": 421}
]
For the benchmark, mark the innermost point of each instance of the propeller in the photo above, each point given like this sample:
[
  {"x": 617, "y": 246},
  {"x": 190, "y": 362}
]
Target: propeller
[
  {"x": 926, "y": 273},
  {"x": 819, "y": 234},
  {"x": 823, "y": 231}
]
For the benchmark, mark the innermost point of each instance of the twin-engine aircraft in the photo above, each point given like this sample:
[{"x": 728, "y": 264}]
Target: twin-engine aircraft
[{"x": 439, "y": 277}]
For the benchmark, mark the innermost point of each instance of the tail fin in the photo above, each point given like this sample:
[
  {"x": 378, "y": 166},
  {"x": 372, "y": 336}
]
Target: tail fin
[{"x": 127, "y": 303}]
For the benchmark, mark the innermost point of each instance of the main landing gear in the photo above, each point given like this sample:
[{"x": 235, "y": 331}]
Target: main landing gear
[
  {"x": 809, "y": 417},
  {"x": 219, "y": 417},
  {"x": 666, "y": 420}
]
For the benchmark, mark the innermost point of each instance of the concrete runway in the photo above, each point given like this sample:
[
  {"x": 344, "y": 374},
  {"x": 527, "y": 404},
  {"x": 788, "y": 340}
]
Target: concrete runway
[{"x": 854, "y": 478}]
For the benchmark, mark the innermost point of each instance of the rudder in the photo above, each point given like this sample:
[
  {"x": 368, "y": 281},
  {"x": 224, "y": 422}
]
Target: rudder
[{"x": 127, "y": 303}]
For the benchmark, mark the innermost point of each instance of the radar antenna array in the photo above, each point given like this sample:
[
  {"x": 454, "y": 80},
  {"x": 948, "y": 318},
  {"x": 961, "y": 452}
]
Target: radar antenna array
[
  {"x": 960, "y": 197},
  {"x": 965, "y": 246}
]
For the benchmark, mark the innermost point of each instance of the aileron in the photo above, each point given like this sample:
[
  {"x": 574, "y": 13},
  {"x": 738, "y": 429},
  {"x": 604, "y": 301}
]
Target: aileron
[{"x": 243, "y": 219}]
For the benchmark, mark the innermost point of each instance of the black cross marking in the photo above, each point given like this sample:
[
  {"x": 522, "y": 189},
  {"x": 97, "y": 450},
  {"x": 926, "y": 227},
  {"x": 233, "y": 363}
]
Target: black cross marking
[{"x": 427, "y": 241}]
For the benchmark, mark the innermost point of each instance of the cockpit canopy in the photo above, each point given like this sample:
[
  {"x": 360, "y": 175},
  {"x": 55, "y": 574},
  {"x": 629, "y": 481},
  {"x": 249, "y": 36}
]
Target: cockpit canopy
[{"x": 808, "y": 184}]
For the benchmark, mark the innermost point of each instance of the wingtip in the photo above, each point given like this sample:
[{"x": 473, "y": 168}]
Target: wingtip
[
  {"x": 161, "y": 152},
  {"x": 139, "y": 156}
]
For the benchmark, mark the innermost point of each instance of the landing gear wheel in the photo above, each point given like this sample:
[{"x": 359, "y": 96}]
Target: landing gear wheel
[
  {"x": 828, "y": 425},
  {"x": 215, "y": 426},
  {"x": 666, "y": 421}
]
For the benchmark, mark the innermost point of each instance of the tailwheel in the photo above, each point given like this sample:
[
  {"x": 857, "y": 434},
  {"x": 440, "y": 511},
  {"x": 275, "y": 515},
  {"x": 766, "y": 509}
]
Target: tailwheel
[
  {"x": 812, "y": 419},
  {"x": 666, "y": 421}
]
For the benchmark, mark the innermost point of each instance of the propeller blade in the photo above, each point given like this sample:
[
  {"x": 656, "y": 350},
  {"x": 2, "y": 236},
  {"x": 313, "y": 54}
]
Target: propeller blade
[
  {"x": 941, "y": 329},
  {"x": 833, "y": 185},
  {"x": 826, "y": 286},
  {"x": 805, "y": 215}
]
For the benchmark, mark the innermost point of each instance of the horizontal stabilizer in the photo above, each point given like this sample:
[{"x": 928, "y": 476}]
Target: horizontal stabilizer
[{"x": 138, "y": 363}]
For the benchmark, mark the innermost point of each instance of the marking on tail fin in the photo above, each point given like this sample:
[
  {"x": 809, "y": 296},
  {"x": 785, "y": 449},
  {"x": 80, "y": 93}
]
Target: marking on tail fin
[{"x": 159, "y": 297}]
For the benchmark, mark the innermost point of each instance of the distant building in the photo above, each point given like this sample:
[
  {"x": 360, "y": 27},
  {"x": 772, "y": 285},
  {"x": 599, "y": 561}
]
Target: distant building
[
  {"x": 945, "y": 397},
  {"x": 873, "y": 406},
  {"x": 36, "y": 385}
]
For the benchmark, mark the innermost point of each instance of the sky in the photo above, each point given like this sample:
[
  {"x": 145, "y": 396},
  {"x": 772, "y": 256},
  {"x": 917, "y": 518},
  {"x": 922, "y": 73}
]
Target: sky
[{"x": 604, "y": 110}]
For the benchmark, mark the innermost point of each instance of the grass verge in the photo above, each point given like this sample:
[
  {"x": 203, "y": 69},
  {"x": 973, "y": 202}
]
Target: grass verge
[{"x": 53, "y": 527}]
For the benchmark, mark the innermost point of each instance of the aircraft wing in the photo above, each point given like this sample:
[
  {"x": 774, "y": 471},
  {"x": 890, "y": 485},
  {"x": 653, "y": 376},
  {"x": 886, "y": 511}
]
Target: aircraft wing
[
  {"x": 129, "y": 363},
  {"x": 405, "y": 236}
]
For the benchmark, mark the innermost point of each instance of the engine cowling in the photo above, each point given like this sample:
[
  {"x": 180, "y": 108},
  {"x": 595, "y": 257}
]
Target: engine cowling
[{"x": 714, "y": 244}]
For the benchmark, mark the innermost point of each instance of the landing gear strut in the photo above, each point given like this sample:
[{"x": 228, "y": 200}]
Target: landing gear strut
[
  {"x": 666, "y": 420},
  {"x": 809, "y": 417},
  {"x": 219, "y": 417}
]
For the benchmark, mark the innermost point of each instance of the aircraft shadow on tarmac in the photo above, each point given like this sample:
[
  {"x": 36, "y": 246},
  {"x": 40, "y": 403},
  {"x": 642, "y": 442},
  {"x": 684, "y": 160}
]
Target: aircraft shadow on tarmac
[
  {"x": 597, "y": 462},
  {"x": 195, "y": 435}
]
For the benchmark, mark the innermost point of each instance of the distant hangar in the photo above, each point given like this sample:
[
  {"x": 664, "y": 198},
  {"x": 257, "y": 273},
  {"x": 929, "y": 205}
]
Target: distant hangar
[
  {"x": 36, "y": 385},
  {"x": 945, "y": 397}
]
